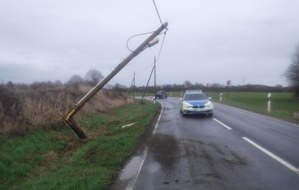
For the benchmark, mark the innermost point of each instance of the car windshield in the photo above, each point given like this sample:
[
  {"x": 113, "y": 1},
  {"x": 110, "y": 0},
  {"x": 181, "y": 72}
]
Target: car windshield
[{"x": 195, "y": 97}]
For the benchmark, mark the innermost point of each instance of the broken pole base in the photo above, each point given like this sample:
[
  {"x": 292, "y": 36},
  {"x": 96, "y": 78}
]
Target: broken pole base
[{"x": 72, "y": 124}]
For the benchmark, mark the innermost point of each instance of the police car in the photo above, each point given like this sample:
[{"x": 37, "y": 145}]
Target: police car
[{"x": 196, "y": 102}]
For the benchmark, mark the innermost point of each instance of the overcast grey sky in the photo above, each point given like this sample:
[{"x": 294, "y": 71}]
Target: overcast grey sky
[{"x": 245, "y": 41}]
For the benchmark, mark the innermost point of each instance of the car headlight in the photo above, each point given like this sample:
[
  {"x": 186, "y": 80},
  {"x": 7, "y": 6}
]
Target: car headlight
[
  {"x": 209, "y": 104},
  {"x": 187, "y": 105}
]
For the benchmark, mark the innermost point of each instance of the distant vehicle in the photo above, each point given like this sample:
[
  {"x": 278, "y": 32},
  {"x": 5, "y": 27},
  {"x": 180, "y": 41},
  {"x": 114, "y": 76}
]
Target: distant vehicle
[
  {"x": 196, "y": 102},
  {"x": 161, "y": 94}
]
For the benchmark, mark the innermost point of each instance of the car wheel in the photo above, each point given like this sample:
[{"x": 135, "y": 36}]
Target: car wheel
[
  {"x": 210, "y": 114},
  {"x": 182, "y": 113}
]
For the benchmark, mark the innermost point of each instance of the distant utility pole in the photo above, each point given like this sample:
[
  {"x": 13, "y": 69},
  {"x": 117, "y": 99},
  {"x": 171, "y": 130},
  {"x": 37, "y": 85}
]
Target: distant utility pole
[
  {"x": 147, "y": 84},
  {"x": 68, "y": 118},
  {"x": 132, "y": 86}
]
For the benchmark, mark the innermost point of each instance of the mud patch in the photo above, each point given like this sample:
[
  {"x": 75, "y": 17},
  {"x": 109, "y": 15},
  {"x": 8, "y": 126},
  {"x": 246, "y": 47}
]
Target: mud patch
[
  {"x": 229, "y": 157},
  {"x": 210, "y": 165},
  {"x": 234, "y": 160}
]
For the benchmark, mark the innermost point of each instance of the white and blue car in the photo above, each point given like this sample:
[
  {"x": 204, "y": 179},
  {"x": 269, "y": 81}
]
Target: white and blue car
[{"x": 196, "y": 102}]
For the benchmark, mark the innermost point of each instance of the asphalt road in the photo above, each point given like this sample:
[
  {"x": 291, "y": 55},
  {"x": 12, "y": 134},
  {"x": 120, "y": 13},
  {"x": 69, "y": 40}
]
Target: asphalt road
[{"x": 234, "y": 149}]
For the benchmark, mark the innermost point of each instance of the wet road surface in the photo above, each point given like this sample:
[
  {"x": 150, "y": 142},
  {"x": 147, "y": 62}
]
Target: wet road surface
[{"x": 234, "y": 149}]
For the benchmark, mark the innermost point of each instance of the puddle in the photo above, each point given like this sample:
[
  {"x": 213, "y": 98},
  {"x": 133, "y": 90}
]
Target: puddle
[{"x": 131, "y": 169}]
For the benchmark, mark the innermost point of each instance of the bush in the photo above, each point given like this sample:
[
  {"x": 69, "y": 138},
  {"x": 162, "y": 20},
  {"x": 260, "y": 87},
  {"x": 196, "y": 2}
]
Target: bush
[{"x": 35, "y": 106}]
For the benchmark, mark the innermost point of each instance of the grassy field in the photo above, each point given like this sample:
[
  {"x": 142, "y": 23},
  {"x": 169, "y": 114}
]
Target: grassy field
[
  {"x": 283, "y": 105},
  {"x": 56, "y": 159}
]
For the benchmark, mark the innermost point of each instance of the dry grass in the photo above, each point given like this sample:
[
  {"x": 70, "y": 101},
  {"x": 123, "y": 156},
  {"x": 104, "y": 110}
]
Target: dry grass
[{"x": 24, "y": 107}]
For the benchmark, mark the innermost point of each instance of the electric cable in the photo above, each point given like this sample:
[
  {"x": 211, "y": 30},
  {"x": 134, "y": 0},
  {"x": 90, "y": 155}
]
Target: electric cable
[
  {"x": 127, "y": 43},
  {"x": 157, "y": 12},
  {"x": 146, "y": 33},
  {"x": 161, "y": 47},
  {"x": 136, "y": 73}
]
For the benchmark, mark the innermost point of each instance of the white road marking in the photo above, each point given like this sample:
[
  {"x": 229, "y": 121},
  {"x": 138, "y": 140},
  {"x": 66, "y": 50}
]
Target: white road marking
[
  {"x": 131, "y": 185},
  {"x": 227, "y": 127},
  {"x": 286, "y": 164},
  {"x": 159, "y": 118}
]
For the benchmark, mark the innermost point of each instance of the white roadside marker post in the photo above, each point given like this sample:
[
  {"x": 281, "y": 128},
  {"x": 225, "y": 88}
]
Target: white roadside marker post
[{"x": 269, "y": 102}]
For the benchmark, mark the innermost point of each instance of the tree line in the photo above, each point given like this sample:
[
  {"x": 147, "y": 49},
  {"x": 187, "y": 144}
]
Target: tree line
[
  {"x": 93, "y": 76},
  {"x": 211, "y": 88}
]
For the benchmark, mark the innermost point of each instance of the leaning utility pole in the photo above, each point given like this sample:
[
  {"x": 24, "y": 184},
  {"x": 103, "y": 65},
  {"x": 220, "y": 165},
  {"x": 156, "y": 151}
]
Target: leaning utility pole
[
  {"x": 155, "y": 80},
  {"x": 68, "y": 118},
  {"x": 141, "y": 101},
  {"x": 132, "y": 86}
]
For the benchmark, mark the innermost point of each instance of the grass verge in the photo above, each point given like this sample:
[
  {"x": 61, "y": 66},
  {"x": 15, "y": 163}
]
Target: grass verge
[{"x": 45, "y": 159}]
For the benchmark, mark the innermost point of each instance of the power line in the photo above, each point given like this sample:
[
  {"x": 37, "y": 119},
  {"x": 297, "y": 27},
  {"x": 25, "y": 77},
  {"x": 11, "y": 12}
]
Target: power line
[
  {"x": 157, "y": 12},
  {"x": 127, "y": 43},
  {"x": 161, "y": 47},
  {"x": 162, "y": 24},
  {"x": 140, "y": 71}
]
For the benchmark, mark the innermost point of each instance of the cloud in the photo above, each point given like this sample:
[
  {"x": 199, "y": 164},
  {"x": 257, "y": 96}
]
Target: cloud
[{"x": 207, "y": 41}]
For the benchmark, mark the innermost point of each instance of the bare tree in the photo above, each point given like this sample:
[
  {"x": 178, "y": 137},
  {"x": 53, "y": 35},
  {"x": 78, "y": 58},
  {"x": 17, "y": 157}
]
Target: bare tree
[
  {"x": 292, "y": 72},
  {"x": 187, "y": 84},
  {"x": 119, "y": 87},
  {"x": 10, "y": 85},
  {"x": 75, "y": 79},
  {"x": 58, "y": 83},
  {"x": 93, "y": 76}
]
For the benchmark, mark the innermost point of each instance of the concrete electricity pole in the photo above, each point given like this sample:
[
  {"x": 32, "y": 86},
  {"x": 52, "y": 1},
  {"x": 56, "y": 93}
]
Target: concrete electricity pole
[
  {"x": 68, "y": 118},
  {"x": 132, "y": 86},
  {"x": 155, "y": 78}
]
